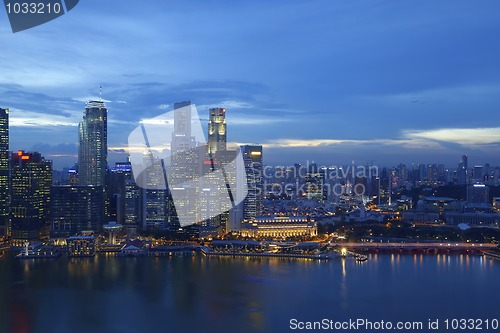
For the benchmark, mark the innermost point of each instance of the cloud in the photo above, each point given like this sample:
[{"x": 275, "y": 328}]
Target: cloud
[
  {"x": 93, "y": 98},
  {"x": 316, "y": 143},
  {"x": 237, "y": 120},
  {"x": 23, "y": 118},
  {"x": 462, "y": 136},
  {"x": 229, "y": 104}
]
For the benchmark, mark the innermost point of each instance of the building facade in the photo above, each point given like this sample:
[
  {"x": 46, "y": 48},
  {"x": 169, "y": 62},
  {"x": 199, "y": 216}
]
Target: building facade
[
  {"x": 4, "y": 173},
  {"x": 280, "y": 227},
  {"x": 75, "y": 209}
]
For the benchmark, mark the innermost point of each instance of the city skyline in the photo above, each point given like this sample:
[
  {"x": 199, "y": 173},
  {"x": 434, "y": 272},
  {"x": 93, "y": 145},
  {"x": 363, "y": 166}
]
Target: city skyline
[{"x": 423, "y": 97}]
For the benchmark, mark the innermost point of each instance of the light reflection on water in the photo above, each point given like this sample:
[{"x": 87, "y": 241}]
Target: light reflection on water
[{"x": 192, "y": 294}]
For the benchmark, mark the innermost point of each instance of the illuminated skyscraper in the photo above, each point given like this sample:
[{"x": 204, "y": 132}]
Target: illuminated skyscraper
[
  {"x": 252, "y": 156},
  {"x": 31, "y": 178},
  {"x": 217, "y": 130},
  {"x": 184, "y": 167},
  {"x": 4, "y": 172},
  {"x": 93, "y": 149},
  {"x": 183, "y": 143}
]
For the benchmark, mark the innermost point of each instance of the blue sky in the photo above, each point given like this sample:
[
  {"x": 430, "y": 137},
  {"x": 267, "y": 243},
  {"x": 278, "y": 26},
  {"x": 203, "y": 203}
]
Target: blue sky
[{"x": 330, "y": 81}]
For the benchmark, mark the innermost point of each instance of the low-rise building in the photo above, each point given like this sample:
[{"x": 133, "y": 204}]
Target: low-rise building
[
  {"x": 81, "y": 246},
  {"x": 280, "y": 227}
]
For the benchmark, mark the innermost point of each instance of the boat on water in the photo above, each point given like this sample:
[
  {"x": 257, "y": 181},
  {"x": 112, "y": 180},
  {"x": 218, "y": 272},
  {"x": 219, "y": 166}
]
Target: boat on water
[
  {"x": 40, "y": 253},
  {"x": 361, "y": 257}
]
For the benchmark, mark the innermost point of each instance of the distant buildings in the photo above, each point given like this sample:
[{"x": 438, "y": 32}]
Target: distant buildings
[
  {"x": 4, "y": 172},
  {"x": 496, "y": 203},
  {"x": 31, "y": 178}
]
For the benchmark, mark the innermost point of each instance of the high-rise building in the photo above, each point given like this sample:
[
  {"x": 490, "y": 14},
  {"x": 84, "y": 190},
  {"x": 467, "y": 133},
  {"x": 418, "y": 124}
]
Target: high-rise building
[
  {"x": 154, "y": 197},
  {"x": 93, "y": 149},
  {"x": 252, "y": 157},
  {"x": 314, "y": 182},
  {"x": 74, "y": 209},
  {"x": 217, "y": 136},
  {"x": 465, "y": 162},
  {"x": 31, "y": 178},
  {"x": 478, "y": 173},
  {"x": 125, "y": 197},
  {"x": 4, "y": 172},
  {"x": 184, "y": 168}
]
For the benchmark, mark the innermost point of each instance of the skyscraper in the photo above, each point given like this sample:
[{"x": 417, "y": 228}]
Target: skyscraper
[
  {"x": 125, "y": 197},
  {"x": 252, "y": 157},
  {"x": 154, "y": 198},
  {"x": 4, "y": 172},
  {"x": 31, "y": 178},
  {"x": 93, "y": 149},
  {"x": 184, "y": 167},
  {"x": 217, "y": 130}
]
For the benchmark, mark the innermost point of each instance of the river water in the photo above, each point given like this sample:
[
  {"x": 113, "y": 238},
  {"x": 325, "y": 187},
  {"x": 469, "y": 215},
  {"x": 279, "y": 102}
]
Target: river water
[{"x": 213, "y": 294}]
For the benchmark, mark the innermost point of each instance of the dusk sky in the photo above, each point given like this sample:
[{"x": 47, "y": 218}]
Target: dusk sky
[{"x": 322, "y": 80}]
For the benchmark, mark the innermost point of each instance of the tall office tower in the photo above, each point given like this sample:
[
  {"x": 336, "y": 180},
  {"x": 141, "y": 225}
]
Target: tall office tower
[
  {"x": 127, "y": 197},
  {"x": 314, "y": 183},
  {"x": 478, "y": 173},
  {"x": 441, "y": 172},
  {"x": 184, "y": 167},
  {"x": 93, "y": 149},
  {"x": 402, "y": 173},
  {"x": 4, "y": 172},
  {"x": 433, "y": 172},
  {"x": 478, "y": 194},
  {"x": 461, "y": 173},
  {"x": 465, "y": 166},
  {"x": 423, "y": 172},
  {"x": 124, "y": 197},
  {"x": 74, "y": 209},
  {"x": 252, "y": 157},
  {"x": 31, "y": 178},
  {"x": 217, "y": 136},
  {"x": 465, "y": 161},
  {"x": 184, "y": 157},
  {"x": 154, "y": 196},
  {"x": 115, "y": 194},
  {"x": 219, "y": 155}
]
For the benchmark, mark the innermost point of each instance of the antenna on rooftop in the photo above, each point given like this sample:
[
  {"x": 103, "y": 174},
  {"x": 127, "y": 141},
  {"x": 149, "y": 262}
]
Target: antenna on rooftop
[{"x": 100, "y": 93}]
